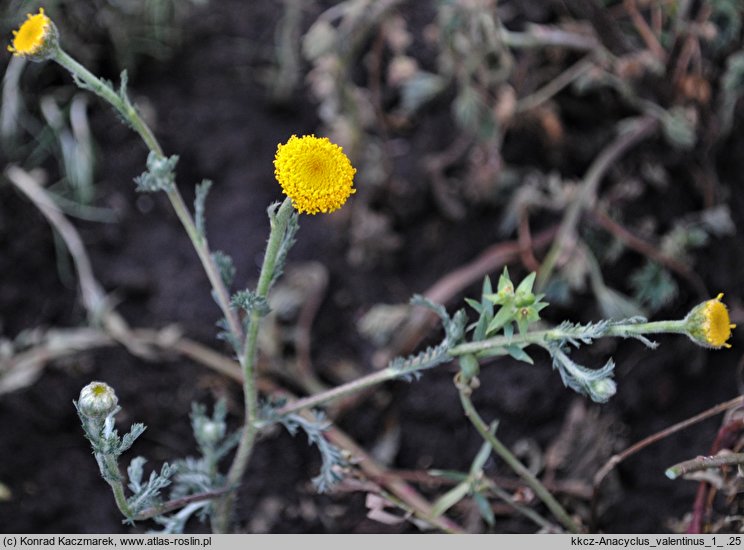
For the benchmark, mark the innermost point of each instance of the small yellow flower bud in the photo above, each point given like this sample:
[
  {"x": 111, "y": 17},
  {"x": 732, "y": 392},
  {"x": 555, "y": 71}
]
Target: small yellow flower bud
[
  {"x": 708, "y": 324},
  {"x": 36, "y": 39},
  {"x": 97, "y": 400}
]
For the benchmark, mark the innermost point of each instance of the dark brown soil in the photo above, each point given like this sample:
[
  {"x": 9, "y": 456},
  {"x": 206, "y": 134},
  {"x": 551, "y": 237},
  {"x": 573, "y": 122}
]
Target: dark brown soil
[{"x": 212, "y": 111}]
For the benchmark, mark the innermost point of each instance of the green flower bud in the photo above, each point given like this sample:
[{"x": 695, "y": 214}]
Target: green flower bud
[
  {"x": 97, "y": 400},
  {"x": 601, "y": 390},
  {"x": 212, "y": 432}
]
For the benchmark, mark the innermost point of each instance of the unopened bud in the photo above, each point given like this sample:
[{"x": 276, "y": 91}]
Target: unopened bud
[
  {"x": 602, "y": 389},
  {"x": 212, "y": 431},
  {"x": 97, "y": 400}
]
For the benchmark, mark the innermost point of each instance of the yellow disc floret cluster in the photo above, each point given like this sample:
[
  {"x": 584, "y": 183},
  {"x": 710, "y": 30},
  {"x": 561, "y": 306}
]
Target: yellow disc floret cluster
[
  {"x": 709, "y": 323},
  {"x": 36, "y": 38},
  {"x": 314, "y": 173}
]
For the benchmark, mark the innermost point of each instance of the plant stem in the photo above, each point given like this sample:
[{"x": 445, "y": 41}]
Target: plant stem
[
  {"x": 522, "y": 509},
  {"x": 132, "y": 117},
  {"x": 540, "y": 96},
  {"x": 540, "y": 36},
  {"x": 704, "y": 463},
  {"x": 506, "y": 455},
  {"x": 106, "y": 92},
  {"x": 223, "y": 512},
  {"x": 541, "y": 337},
  {"x": 343, "y": 390},
  {"x": 116, "y": 486},
  {"x": 89, "y": 81},
  {"x": 175, "y": 504}
]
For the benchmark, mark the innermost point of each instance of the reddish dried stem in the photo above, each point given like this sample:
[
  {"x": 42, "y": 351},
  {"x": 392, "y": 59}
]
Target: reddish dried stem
[{"x": 701, "y": 506}]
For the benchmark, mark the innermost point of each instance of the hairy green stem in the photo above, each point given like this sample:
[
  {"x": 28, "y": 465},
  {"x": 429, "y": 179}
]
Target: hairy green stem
[
  {"x": 107, "y": 93},
  {"x": 541, "y": 337},
  {"x": 132, "y": 117},
  {"x": 279, "y": 223},
  {"x": 506, "y": 455},
  {"x": 116, "y": 486}
]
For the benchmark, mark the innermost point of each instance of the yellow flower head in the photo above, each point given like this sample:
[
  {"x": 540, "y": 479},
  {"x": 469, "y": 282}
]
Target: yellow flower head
[
  {"x": 36, "y": 38},
  {"x": 314, "y": 173},
  {"x": 708, "y": 323}
]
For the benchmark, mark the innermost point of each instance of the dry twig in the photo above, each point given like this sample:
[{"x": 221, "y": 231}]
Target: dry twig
[{"x": 650, "y": 440}]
